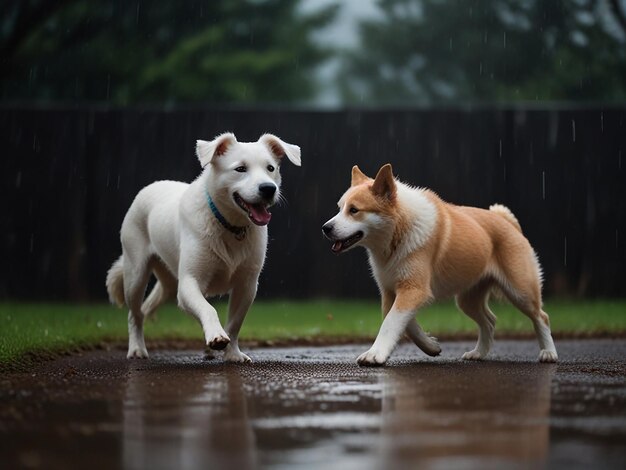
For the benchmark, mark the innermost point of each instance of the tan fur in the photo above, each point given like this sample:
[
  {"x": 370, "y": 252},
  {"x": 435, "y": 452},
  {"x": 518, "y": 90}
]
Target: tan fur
[{"x": 469, "y": 252}]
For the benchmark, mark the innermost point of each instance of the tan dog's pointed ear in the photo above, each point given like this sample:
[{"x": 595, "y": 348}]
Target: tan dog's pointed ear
[
  {"x": 358, "y": 176},
  {"x": 384, "y": 183}
]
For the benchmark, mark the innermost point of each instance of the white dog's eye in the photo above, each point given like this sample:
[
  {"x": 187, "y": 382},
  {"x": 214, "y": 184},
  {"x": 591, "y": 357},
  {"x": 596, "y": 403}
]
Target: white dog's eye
[
  {"x": 270, "y": 168},
  {"x": 241, "y": 169}
]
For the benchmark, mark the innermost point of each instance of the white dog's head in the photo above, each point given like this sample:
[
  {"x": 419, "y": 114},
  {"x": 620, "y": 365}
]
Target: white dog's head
[{"x": 243, "y": 177}]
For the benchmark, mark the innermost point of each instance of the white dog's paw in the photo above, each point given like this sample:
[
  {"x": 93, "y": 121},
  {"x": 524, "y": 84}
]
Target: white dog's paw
[
  {"x": 219, "y": 342},
  {"x": 546, "y": 355},
  {"x": 372, "y": 358},
  {"x": 236, "y": 356},
  {"x": 473, "y": 355},
  {"x": 137, "y": 353}
]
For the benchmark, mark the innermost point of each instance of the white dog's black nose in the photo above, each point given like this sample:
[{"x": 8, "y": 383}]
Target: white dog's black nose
[{"x": 267, "y": 190}]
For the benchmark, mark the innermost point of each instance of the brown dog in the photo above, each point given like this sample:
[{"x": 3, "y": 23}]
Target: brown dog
[{"x": 421, "y": 249}]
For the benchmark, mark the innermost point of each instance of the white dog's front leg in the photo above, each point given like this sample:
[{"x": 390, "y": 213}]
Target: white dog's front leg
[
  {"x": 191, "y": 300},
  {"x": 241, "y": 299},
  {"x": 393, "y": 327}
]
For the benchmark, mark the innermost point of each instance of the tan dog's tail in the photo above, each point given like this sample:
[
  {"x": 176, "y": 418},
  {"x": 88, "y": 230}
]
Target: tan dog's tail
[
  {"x": 507, "y": 214},
  {"x": 115, "y": 282}
]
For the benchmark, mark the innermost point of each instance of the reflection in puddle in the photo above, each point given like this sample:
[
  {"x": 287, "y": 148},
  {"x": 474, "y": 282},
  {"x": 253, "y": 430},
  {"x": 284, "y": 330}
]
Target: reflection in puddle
[
  {"x": 488, "y": 413},
  {"x": 244, "y": 417},
  {"x": 186, "y": 419}
]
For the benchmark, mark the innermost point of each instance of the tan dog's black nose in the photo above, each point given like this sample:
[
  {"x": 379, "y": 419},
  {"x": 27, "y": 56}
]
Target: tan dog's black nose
[{"x": 327, "y": 228}]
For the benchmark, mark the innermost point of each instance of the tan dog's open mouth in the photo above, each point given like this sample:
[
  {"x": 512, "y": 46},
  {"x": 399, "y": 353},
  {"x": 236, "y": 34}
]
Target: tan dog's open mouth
[{"x": 343, "y": 245}]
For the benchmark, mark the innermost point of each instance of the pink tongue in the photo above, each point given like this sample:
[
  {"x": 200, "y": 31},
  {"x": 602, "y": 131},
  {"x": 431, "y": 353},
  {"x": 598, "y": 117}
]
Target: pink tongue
[{"x": 259, "y": 214}]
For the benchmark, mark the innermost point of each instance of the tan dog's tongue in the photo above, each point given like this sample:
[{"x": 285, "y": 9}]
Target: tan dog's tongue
[{"x": 259, "y": 214}]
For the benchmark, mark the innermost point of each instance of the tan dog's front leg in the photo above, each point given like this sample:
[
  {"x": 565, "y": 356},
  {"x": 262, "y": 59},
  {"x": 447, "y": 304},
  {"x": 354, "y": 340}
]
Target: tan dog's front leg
[
  {"x": 414, "y": 332},
  {"x": 394, "y": 325}
]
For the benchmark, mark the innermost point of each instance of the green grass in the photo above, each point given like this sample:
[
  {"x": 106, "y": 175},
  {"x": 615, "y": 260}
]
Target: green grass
[{"x": 28, "y": 327}]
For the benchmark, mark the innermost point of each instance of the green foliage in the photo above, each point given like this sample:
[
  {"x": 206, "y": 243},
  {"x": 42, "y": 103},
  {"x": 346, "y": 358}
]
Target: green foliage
[
  {"x": 433, "y": 51},
  {"x": 28, "y": 327},
  {"x": 235, "y": 51}
]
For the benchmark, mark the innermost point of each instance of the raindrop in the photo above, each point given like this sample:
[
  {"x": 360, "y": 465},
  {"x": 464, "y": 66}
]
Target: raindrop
[
  {"x": 573, "y": 130},
  {"x": 450, "y": 43},
  {"x": 543, "y": 185},
  {"x": 137, "y": 17},
  {"x": 118, "y": 181},
  {"x": 565, "y": 252},
  {"x": 18, "y": 180},
  {"x": 500, "y": 150},
  {"x": 504, "y": 39},
  {"x": 480, "y": 69},
  {"x": 602, "y": 122}
]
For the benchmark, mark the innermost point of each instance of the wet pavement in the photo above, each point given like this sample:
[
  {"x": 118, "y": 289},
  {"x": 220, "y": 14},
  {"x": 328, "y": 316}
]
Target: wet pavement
[{"x": 315, "y": 408}]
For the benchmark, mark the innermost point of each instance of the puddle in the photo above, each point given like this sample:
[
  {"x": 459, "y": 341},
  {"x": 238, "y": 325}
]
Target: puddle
[{"x": 313, "y": 407}]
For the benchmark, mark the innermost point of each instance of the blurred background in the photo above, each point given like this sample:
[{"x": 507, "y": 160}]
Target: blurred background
[{"x": 521, "y": 102}]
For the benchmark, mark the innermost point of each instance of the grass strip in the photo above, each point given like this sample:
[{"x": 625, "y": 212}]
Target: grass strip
[{"x": 37, "y": 327}]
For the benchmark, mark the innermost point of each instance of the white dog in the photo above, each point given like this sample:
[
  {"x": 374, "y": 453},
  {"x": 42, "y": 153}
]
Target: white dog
[{"x": 201, "y": 239}]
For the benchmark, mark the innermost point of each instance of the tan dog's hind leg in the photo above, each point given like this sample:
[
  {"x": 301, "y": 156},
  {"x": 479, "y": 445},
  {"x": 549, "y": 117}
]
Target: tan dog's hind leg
[
  {"x": 474, "y": 303},
  {"x": 541, "y": 323},
  {"x": 523, "y": 289}
]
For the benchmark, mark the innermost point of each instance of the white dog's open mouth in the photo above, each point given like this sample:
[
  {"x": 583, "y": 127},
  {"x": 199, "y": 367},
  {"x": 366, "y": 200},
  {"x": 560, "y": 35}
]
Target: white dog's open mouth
[
  {"x": 258, "y": 212},
  {"x": 342, "y": 245}
]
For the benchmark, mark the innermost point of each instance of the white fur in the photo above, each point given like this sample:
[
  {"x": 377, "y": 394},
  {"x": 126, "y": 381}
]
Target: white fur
[{"x": 171, "y": 231}]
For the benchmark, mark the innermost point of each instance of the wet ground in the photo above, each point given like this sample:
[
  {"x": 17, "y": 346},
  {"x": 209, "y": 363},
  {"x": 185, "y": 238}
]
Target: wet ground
[{"x": 315, "y": 408}]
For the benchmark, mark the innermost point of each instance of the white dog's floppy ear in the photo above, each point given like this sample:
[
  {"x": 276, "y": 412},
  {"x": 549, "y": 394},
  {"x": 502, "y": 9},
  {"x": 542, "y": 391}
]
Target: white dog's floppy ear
[
  {"x": 279, "y": 148},
  {"x": 206, "y": 151}
]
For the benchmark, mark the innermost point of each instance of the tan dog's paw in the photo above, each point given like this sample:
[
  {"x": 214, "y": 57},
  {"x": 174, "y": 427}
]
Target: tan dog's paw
[
  {"x": 219, "y": 342},
  {"x": 546, "y": 355},
  {"x": 473, "y": 355},
  {"x": 372, "y": 358},
  {"x": 432, "y": 347}
]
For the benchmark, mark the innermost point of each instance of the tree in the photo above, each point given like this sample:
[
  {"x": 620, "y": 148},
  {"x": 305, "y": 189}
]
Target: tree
[
  {"x": 434, "y": 51},
  {"x": 236, "y": 51}
]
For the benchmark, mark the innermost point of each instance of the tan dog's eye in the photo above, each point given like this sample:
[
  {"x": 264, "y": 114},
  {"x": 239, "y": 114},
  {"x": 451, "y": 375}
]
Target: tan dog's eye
[{"x": 353, "y": 210}]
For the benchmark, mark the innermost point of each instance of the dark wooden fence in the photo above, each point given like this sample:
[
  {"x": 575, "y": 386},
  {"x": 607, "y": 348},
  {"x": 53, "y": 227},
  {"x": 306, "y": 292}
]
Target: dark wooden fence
[{"x": 68, "y": 176}]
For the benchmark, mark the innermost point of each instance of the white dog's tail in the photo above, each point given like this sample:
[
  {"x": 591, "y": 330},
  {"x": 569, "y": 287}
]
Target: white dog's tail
[
  {"x": 115, "y": 282},
  {"x": 507, "y": 214}
]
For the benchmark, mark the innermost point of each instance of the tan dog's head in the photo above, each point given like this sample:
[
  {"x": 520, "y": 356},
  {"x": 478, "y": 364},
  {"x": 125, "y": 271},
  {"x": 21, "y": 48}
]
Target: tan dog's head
[{"x": 365, "y": 210}]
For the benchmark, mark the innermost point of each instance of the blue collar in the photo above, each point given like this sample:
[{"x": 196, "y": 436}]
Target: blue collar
[{"x": 239, "y": 232}]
